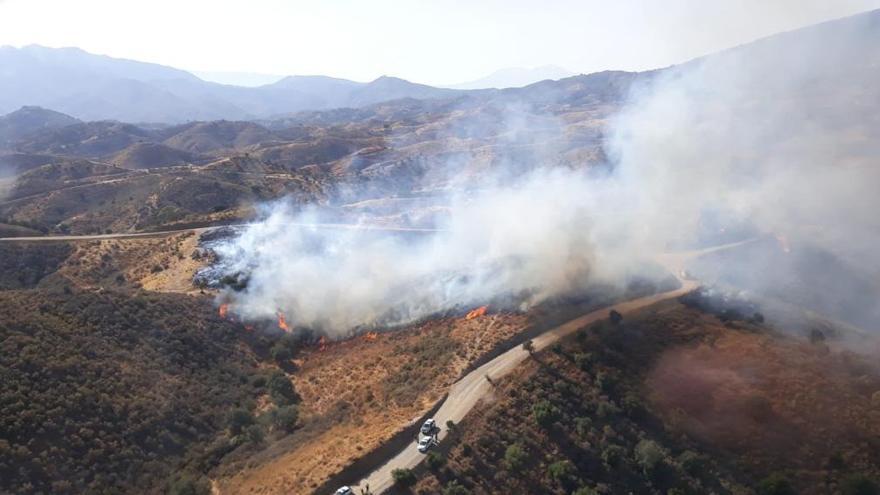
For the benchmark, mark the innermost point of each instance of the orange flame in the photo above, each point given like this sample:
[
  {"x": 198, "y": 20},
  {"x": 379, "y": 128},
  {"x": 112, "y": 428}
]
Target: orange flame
[
  {"x": 224, "y": 310},
  {"x": 783, "y": 243},
  {"x": 322, "y": 344},
  {"x": 282, "y": 323},
  {"x": 371, "y": 336},
  {"x": 476, "y": 313},
  {"x": 249, "y": 328}
]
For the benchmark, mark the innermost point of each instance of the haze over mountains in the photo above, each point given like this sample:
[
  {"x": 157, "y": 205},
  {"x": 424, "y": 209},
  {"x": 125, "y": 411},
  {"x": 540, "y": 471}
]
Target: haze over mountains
[
  {"x": 515, "y": 77},
  {"x": 121, "y": 376},
  {"x": 96, "y": 87}
]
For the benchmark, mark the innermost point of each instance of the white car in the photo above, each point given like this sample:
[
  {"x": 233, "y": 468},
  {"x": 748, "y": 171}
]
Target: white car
[
  {"x": 425, "y": 443},
  {"x": 429, "y": 426},
  {"x": 344, "y": 491}
]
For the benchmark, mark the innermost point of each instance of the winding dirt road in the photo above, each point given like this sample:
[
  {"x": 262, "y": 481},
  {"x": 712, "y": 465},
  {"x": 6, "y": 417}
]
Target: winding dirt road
[
  {"x": 469, "y": 390},
  {"x": 199, "y": 230},
  {"x": 466, "y": 393}
]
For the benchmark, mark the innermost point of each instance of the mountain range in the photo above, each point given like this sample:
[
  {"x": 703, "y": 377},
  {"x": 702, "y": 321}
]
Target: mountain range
[
  {"x": 515, "y": 77},
  {"x": 97, "y": 87}
]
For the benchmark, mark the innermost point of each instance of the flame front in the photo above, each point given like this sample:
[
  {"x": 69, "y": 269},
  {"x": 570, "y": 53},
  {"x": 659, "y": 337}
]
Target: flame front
[
  {"x": 282, "y": 323},
  {"x": 371, "y": 336},
  {"x": 476, "y": 313},
  {"x": 322, "y": 344},
  {"x": 224, "y": 310}
]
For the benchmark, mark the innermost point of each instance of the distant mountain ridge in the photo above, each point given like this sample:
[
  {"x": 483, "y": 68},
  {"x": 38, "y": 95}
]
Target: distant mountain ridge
[
  {"x": 97, "y": 87},
  {"x": 515, "y": 77}
]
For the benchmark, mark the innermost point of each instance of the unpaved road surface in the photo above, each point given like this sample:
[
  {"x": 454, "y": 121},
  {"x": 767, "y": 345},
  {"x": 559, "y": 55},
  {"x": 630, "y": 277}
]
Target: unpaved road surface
[
  {"x": 467, "y": 392},
  {"x": 199, "y": 230}
]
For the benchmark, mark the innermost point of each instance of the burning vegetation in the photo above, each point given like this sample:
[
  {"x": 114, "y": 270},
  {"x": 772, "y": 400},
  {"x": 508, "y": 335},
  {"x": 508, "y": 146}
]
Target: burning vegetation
[
  {"x": 282, "y": 322},
  {"x": 476, "y": 313}
]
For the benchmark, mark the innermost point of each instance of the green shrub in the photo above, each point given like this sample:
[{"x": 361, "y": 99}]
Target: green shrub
[
  {"x": 281, "y": 389},
  {"x": 692, "y": 463},
  {"x": 237, "y": 420},
  {"x": 188, "y": 485},
  {"x": 545, "y": 413},
  {"x": 563, "y": 472},
  {"x": 612, "y": 455},
  {"x": 453, "y": 488},
  {"x": 435, "y": 460},
  {"x": 582, "y": 426},
  {"x": 284, "y": 418},
  {"x": 515, "y": 457},
  {"x": 649, "y": 455},
  {"x": 584, "y": 360},
  {"x": 403, "y": 477},
  {"x": 775, "y": 484},
  {"x": 858, "y": 484},
  {"x": 280, "y": 352}
]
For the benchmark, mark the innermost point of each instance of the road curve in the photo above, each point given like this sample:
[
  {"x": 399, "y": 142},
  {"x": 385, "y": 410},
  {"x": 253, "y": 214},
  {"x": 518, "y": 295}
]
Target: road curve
[{"x": 467, "y": 392}]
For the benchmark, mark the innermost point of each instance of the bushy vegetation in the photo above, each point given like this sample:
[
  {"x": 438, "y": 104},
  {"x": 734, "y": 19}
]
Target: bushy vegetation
[
  {"x": 105, "y": 392},
  {"x": 576, "y": 419},
  {"x": 25, "y": 265},
  {"x": 403, "y": 477}
]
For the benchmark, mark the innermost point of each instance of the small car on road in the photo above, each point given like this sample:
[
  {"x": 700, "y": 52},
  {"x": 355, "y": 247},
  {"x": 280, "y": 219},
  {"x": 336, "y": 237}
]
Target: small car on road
[
  {"x": 425, "y": 443},
  {"x": 429, "y": 427},
  {"x": 344, "y": 491}
]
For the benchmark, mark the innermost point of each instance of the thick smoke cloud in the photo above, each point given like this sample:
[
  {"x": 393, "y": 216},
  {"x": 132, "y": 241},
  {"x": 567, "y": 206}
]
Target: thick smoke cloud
[
  {"x": 781, "y": 135},
  {"x": 524, "y": 242}
]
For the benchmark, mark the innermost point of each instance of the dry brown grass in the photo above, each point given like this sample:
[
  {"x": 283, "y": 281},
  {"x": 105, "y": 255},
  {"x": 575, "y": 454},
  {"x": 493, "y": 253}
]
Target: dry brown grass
[
  {"x": 776, "y": 401},
  {"x": 359, "y": 392},
  {"x": 162, "y": 264}
]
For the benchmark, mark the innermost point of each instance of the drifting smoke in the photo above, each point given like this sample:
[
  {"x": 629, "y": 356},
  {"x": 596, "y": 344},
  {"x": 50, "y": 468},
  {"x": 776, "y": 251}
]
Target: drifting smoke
[
  {"x": 781, "y": 135},
  {"x": 529, "y": 241}
]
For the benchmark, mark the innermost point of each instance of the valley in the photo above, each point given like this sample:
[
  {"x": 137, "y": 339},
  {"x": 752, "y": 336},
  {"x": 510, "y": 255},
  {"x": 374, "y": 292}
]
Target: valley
[{"x": 657, "y": 281}]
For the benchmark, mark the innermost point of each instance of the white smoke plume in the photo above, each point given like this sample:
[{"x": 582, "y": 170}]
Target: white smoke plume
[
  {"x": 530, "y": 240},
  {"x": 781, "y": 135}
]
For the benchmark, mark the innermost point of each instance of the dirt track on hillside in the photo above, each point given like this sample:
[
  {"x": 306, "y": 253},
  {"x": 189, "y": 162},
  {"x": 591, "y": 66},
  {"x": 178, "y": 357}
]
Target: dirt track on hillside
[{"x": 465, "y": 394}]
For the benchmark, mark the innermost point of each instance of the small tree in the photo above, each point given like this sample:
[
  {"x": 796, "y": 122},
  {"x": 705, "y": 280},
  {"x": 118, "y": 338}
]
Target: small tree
[
  {"x": 254, "y": 434},
  {"x": 403, "y": 477},
  {"x": 515, "y": 457},
  {"x": 435, "y": 460},
  {"x": 775, "y": 484},
  {"x": 529, "y": 346},
  {"x": 545, "y": 413},
  {"x": 612, "y": 455},
  {"x": 280, "y": 352},
  {"x": 453, "y": 488},
  {"x": 582, "y": 426},
  {"x": 238, "y": 420},
  {"x": 281, "y": 390},
  {"x": 284, "y": 418},
  {"x": 563, "y": 472},
  {"x": 187, "y": 485},
  {"x": 692, "y": 463},
  {"x": 649, "y": 455}
]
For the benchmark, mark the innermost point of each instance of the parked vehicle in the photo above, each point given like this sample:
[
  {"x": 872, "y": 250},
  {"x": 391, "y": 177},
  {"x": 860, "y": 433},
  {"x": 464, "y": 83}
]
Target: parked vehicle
[
  {"x": 429, "y": 427},
  {"x": 425, "y": 443},
  {"x": 344, "y": 491}
]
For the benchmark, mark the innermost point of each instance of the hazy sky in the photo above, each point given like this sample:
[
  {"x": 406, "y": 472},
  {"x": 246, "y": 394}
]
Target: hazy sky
[{"x": 430, "y": 41}]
